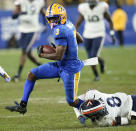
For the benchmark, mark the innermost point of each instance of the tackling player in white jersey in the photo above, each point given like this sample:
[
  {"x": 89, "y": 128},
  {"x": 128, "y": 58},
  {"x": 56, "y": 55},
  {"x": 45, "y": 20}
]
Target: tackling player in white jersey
[
  {"x": 28, "y": 13},
  {"x": 106, "y": 109},
  {"x": 93, "y": 13}
]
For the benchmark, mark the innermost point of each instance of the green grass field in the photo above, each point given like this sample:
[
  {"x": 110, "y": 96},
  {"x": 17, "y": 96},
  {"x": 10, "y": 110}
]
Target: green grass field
[{"x": 47, "y": 109}]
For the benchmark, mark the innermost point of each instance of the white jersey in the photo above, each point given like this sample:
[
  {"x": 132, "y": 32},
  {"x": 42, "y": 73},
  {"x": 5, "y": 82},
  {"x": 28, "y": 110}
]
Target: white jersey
[
  {"x": 94, "y": 19},
  {"x": 29, "y": 22},
  {"x": 118, "y": 104}
]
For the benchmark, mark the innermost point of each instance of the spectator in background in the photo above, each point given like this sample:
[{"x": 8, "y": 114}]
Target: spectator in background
[
  {"x": 119, "y": 18},
  {"x": 28, "y": 13}
]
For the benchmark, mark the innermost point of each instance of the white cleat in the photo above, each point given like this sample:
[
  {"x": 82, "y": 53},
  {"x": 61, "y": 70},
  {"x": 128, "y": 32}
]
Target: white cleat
[{"x": 4, "y": 75}]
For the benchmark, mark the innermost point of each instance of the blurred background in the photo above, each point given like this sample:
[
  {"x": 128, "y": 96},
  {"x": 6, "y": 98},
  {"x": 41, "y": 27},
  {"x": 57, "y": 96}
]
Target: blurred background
[{"x": 9, "y": 34}]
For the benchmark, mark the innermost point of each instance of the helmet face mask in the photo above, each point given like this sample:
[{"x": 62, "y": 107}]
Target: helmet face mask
[
  {"x": 56, "y": 14},
  {"x": 93, "y": 109},
  {"x": 53, "y": 21}
]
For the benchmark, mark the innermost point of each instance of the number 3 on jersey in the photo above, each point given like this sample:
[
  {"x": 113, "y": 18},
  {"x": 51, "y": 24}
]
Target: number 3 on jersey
[
  {"x": 57, "y": 31},
  {"x": 114, "y": 101}
]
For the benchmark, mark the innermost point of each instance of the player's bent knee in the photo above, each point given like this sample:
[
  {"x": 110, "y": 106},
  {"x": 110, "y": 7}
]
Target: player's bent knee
[{"x": 31, "y": 76}]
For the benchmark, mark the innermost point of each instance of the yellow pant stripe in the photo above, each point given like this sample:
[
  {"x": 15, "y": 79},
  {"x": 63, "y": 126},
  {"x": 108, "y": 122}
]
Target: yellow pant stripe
[{"x": 76, "y": 81}]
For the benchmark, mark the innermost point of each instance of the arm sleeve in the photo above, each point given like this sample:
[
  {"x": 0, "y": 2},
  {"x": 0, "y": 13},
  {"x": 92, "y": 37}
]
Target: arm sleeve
[{"x": 77, "y": 112}]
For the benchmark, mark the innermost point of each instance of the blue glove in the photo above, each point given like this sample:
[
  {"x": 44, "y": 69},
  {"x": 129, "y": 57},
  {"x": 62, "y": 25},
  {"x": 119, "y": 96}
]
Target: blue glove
[{"x": 82, "y": 120}]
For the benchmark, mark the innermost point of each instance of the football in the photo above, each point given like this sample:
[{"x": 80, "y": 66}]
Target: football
[{"x": 48, "y": 49}]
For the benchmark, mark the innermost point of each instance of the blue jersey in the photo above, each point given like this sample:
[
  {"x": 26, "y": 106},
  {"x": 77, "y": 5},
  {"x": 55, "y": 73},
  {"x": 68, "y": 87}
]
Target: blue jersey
[{"x": 65, "y": 35}]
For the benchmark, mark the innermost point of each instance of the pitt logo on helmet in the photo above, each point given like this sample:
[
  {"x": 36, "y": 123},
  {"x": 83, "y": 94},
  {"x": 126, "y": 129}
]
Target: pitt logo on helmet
[{"x": 57, "y": 12}]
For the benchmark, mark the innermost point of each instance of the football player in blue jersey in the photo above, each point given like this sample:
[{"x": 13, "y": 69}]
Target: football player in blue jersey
[{"x": 67, "y": 65}]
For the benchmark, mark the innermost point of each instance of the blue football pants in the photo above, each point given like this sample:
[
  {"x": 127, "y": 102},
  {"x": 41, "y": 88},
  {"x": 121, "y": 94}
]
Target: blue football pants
[{"x": 52, "y": 70}]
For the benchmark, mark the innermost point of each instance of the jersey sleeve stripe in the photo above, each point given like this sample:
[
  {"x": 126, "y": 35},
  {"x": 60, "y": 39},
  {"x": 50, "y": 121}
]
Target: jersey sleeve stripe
[{"x": 76, "y": 81}]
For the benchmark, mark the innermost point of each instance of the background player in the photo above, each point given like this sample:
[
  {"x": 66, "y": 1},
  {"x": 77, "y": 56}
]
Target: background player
[
  {"x": 28, "y": 13},
  {"x": 93, "y": 13},
  {"x": 68, "y": 65},
  {"x": 4, "y": 74},
  {"x": 117, "y": 109}
]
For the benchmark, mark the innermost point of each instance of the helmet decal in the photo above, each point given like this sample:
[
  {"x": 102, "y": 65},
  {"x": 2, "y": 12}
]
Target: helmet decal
[{"x": 50, "y": 9}]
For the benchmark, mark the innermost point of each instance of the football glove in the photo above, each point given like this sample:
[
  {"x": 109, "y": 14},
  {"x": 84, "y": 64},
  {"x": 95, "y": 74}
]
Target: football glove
[
  {"x": 82, "y": 120},
  {"x": 112, "y": 37},
  {"x": 39, "y": 50}
]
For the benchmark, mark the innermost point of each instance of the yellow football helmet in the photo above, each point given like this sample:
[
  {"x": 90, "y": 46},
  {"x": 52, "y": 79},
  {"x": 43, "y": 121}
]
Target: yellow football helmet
[{"x": 56, "y": 11}]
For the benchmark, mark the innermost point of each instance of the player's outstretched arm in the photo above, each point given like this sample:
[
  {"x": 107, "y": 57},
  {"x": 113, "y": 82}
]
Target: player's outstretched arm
[
  {"x": 79, "y": 116},
  {"x": 108, "y": 18}
]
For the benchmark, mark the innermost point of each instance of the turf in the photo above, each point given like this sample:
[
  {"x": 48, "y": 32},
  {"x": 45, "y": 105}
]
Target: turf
[{"x": 47, "y": 109}]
